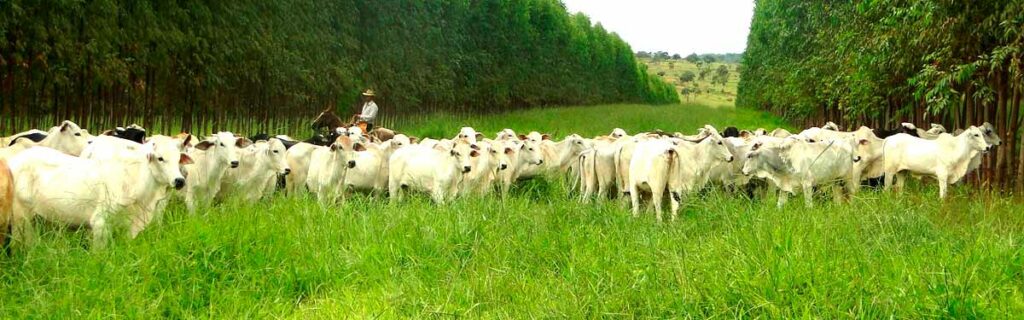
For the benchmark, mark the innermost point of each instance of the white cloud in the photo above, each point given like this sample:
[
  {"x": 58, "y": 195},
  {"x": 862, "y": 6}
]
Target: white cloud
[{"x": 676, "y": 26}]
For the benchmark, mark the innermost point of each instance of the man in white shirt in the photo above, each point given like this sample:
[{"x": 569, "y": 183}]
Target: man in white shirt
[{"x": 369, "y": 113}]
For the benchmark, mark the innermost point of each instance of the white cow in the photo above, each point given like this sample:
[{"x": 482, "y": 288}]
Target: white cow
[
  {"x": 796, "y": 163},
  {"x": 506, "y": 135},
  {"x": 437, "y": 171},
  {"x": 67, "y": 137},
  {"x": 86, "y": 192},
  {"x": 371, "y": 175},
  {"x": 674, "y": 166},
  {"x": 468, "y": 135},
  {"x": 487, "y": 168},
  {"x": 298, "y": 158},
  {"x": 520, "y": 156},
  {"x": 213, "y": 157},
  {"x": 328, "y": 167},
  {"x": 259, "y": 165},
  {"x": 947, "y": 158}
]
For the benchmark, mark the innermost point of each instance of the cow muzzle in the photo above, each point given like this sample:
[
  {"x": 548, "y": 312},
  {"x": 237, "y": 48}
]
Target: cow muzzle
[
  {"x": 466, "y": 169},
  {"x": 730, "y": 159},
  {"x": 503, "y": 166},
  {"x": 351, "y": 164},
  {"x": 234, "y": 164},
  {"x": 287, "y": 171},
  {"x": 179, "y": 183},
  {"x": 856, "y": 158}
]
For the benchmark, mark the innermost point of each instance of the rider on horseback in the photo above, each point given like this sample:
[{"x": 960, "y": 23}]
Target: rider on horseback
[{"x": 369, "y": 113}]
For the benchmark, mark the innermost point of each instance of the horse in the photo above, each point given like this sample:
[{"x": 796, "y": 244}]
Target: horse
[{"x": 328, "y": 119}]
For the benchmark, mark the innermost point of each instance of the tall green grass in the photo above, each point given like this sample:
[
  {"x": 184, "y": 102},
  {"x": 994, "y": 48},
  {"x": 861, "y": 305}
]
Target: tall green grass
[{"x": 540, "y": 253}]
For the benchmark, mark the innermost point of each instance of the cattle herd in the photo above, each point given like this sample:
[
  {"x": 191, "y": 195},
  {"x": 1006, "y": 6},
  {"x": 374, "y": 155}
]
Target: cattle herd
[{"x": 67, "y": 176}]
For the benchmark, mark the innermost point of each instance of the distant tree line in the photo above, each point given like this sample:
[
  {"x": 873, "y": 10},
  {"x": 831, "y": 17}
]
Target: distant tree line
[
  {"x": 271, "y": 64},
  {"x": 728, "y": 58},
  {"x": 880, "y": 63}
]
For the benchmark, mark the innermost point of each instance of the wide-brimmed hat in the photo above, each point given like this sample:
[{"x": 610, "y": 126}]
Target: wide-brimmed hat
[{"x": 368, "y": 93}]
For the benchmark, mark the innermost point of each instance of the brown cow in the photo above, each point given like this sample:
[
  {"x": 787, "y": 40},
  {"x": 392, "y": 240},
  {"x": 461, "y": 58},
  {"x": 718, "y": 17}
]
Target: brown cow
[{"x": 6, "y": 202}]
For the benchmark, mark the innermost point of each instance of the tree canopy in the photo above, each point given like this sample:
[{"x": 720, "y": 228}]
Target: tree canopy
[{"x": 270, "y": 64}]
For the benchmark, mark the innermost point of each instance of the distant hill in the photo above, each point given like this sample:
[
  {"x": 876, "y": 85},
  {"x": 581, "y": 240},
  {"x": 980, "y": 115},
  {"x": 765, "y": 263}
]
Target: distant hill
[{"x": 672, "y": 69}]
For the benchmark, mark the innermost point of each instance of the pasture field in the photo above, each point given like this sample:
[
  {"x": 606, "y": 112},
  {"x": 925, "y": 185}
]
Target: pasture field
[
  {"x": 541, "y": 253},
  {"x": 711, "y": 94}
]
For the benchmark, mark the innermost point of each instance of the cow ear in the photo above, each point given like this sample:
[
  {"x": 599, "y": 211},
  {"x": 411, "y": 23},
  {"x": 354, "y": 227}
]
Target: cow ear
[
  {"x": 204, "y": 145},
  {"x": 65, "y": 126},
  {"x": 474, "y": 147},
  {"x": 185, "y": 142},
  {"x": 474, "y": 154},
  {"x": 479, "y": 136},
  {"x": 358, "y": 147},
  {"x": 863, "y": 142},
  {"x": 745, "y": 134},
  {"x": 509, "y": 151},
  {"x": 414, "y": 140},
  {"x": 545, "y": 137},
  {"x": 522, "y": 137},
  {"x": 185, "y": 159},
  {"x": 243, "y": 142}
]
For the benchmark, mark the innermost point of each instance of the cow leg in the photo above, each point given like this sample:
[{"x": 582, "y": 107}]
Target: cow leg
[
  {"x": 808, "y": 195},
  {"x": 100, "y": 229},
  {"x": 140, "y": 222},
  {"x": 22, "y": 231},
  {"x": 783, "y": 196},
  {"x": 437, "y": 193},
  {"x": 943, "y": 179},
  {"x": 657, "y": 195},
  {"x": 901, "y": 180},
  {"x": 634, "y": 198},
  {"x": 837, "y": 192},
  {"x": 676, "y": 200},
  {"x": 889, "y": 176}
]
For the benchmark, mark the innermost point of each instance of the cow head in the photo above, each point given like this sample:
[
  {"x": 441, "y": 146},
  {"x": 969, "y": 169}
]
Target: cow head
[
  {"x": 618, "y": 133},
  {"x": 463, "y": 155},
  {"x": 345, "y": 149},
  {"x": 530, "y": 152},
  {"x": 468, "y": 135},
  {"x": 975, "y": 139},
  {"x": 991, "y": 137},
  {"x": 222, "y": 148},
  {"x": 936, "y": 129},
  {"x": 719, "y": 148},
  {"x": 506, "y": 134},
  {"x": 69, "y": 138},
  {"x": 400, "y": 140},
  {"x": 766, "y": 162},
  {"x": 275, "y": 153},
  {"x": 165, "y": 161}
]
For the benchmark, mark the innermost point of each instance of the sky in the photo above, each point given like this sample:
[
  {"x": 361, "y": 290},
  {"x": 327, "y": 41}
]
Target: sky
[{"x": 675, "y": 26}]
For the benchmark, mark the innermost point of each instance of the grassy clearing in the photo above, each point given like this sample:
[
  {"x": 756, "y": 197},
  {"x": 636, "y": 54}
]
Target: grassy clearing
[{"x": 542, "y": 254}]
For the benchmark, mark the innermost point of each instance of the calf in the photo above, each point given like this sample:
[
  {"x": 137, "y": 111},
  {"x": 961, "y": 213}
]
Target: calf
[
  {"x": 437, "y": 171},
  {"x": 86, "y": 192},
  {"x": 328, "y": 167},
  {"x": 795, "y": 163},
  {"x": 677, "y": 167},
  {"x": 947, "y": 158},
  {"x": 213, "y": 157},
  {"x": 259, "y": 165}
]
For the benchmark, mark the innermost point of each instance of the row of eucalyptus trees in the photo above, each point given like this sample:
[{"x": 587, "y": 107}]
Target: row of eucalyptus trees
[
  {"x": 271, "y": 65},
  {"x": 882, "y": 62}
]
